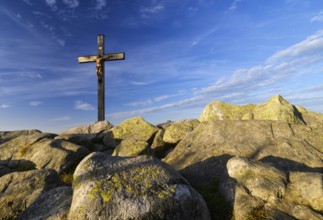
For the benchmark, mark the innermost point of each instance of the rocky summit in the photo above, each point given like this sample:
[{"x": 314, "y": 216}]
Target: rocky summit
[{"x": 235, "y": 162}]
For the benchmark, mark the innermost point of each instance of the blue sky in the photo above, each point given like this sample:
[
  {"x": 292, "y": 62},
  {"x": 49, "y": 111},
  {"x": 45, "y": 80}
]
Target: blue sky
[{"x": 180, "y": 55}]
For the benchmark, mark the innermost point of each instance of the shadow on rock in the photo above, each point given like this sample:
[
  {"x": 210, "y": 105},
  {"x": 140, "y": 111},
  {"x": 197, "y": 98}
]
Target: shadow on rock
[
  {"x": 206, "y": 177},
  {"x": 287, "y": 165}
]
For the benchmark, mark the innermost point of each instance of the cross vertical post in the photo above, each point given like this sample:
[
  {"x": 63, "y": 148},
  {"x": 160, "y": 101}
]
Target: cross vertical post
[
  {"x": 99, "y": 60},
  {"x": 101, "y": 79}
]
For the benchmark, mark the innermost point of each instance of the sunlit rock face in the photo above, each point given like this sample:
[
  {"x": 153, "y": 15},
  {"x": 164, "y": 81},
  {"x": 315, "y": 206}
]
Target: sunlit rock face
[
  {"x": 236, "y": 162},
  {"x": 223, "y": 111},
  {"x": 132, "y": 188},
  {"x": 276, "y": 109}
]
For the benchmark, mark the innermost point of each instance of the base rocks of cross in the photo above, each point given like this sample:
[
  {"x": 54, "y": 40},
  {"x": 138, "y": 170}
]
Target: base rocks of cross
[{"x": 132, "y": 188}]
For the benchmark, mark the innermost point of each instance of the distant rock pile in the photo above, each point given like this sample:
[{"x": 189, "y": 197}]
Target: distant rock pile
[{"x": 235, "y": 162}]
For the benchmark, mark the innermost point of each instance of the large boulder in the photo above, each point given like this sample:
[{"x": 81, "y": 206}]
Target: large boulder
[
  {"x": 89, "y": 136},
  {"x": 262, "y": 181},
  {"x": 267, "y": 152},
  {"x": 263, "y": 192},
  {"x": 9, "y": 135},
  {"x": 93, "y": 128},
  {"x": 19, "y": 190},
  {"x": 306, "y": 189},
  {"x": 177, "y": 130},
  {"x": 202, "y": 155},
  {"x": 278, "y": 109},
  {"x": 132, "y": 188},
  {"x": 134, "y": 128},
  {"x": 223, "y": 111},
  {"x": 159, "y": 147},
  {"x": 131, "y": 147},
  {"x": 40, "y": 151},
  {"x": 53, "y": 204}
]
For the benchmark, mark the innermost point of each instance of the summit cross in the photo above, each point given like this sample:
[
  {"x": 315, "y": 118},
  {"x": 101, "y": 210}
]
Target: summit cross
[{"x": 99, "y": 60}]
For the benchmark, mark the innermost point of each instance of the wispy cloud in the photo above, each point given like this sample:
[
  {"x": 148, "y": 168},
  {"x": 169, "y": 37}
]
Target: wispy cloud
[
  {"x": 100, "y": 4},
  {"x": 154, "y": 100},
  {"x": 52, "y": 4},
  {"x": 318, "y": 17},
  {"x": 152, "y": 9},
  {"x": 280, "y": 68},
  {"x": 62, "y": 118},
  {"x": 310, "y": 46},
  {"x": 149, "y": 11},
  {"x": 4, "y": 106},
  {"x": 27, "y": 2},
  {"x": 72, "y": 3},
  {"x": 234, "y": 5},
  {"x": 181, "y": 103},
  {"x": 80, "y": 105},
  {"x": 35, "y": 103}
]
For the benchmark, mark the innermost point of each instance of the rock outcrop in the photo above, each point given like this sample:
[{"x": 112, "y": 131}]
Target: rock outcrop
[
  {"x": 179, "y": 129},
  {"x": 132, "y": 188},
  {"x": 94, "y": 128},
  {"x": 89, "y": 136},
  {"x": 223, "y": 111},
  {"x": 135, "y": 130},
  {"x": 19, "y": 190},
  {"x": 276, "y": 109},
  {"x": 41, "y": 151},
  {"x": 9, "y": 135},
  {"x": 236, "y": 162}
]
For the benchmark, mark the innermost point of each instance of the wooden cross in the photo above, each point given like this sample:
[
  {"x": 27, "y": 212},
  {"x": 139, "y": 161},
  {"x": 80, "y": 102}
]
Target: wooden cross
[{"x": 99, "y": 59}]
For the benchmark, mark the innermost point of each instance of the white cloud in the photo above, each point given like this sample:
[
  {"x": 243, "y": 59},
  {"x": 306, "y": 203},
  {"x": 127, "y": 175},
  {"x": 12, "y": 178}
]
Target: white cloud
[
  {"x": 310, "y": 46},
  {"x": 60, "y": 42},
  {"x": 140, "y": 103},
  {"x": 80, "y": 105},
  {"x": 35, "y": 103},
  {"x": 272, "y": 77},
  {"x": 4, "y": 106},
  {"x": 27, "y": 2},
  {"x": 141, "y": 83},
  {"x": 100, "y": 4},
  {"x": 154, "y": 100},
  {"x": 52, "y": 4},
  {"x": 234, "y": 5},
  {"x": 153, "y": 9},
  {"x": 72, "y": 3},
  {"x": 318, "y": 18},
  {"x": 62, "y": 118},
  {"x": 147, "y": 12},
  {"x": 181, "y": 103}
]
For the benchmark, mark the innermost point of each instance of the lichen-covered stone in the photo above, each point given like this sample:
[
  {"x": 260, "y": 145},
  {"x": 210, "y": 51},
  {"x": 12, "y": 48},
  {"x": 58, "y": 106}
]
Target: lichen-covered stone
[
  {"x": 93, "y": 128},
  {"x": 202, "y": 155},
  {"x": 135, "y": 128},
  {"x": 40, "y": 151},
  {"x": 132, "y": 188},
  {"x": 132, "y": 147},
  {"x": 52, "y": 205},
  {"x": 224, "y": 111},
  {"x": 9, "y": 135},
  {"x": 306, "y": 189},
  {"x": 177, "y": 130},
  {"x": 19, "y": 190},
  {"x": 277, "y": 109},
  {"x": 159, "y": 147},
  {"x": 261, "y": 180}
]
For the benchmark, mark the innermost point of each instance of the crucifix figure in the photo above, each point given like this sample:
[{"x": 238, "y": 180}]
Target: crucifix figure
[{"x": 99, "y": 60}]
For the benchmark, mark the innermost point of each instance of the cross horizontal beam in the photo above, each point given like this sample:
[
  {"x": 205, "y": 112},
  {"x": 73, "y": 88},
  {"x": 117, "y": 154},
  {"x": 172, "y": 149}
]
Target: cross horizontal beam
[{"x": 105, "y": 57}]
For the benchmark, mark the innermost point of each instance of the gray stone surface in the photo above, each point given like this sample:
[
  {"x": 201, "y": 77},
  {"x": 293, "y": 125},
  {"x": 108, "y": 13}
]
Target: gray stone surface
[{"x": 132, "y": 188}]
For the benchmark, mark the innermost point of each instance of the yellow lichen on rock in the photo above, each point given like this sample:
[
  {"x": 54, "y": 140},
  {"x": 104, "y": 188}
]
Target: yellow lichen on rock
[
  {"x": 136, "y": 128},
  {"x": 277, "y": 109},
  {"x": 224, "y": 111}
]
